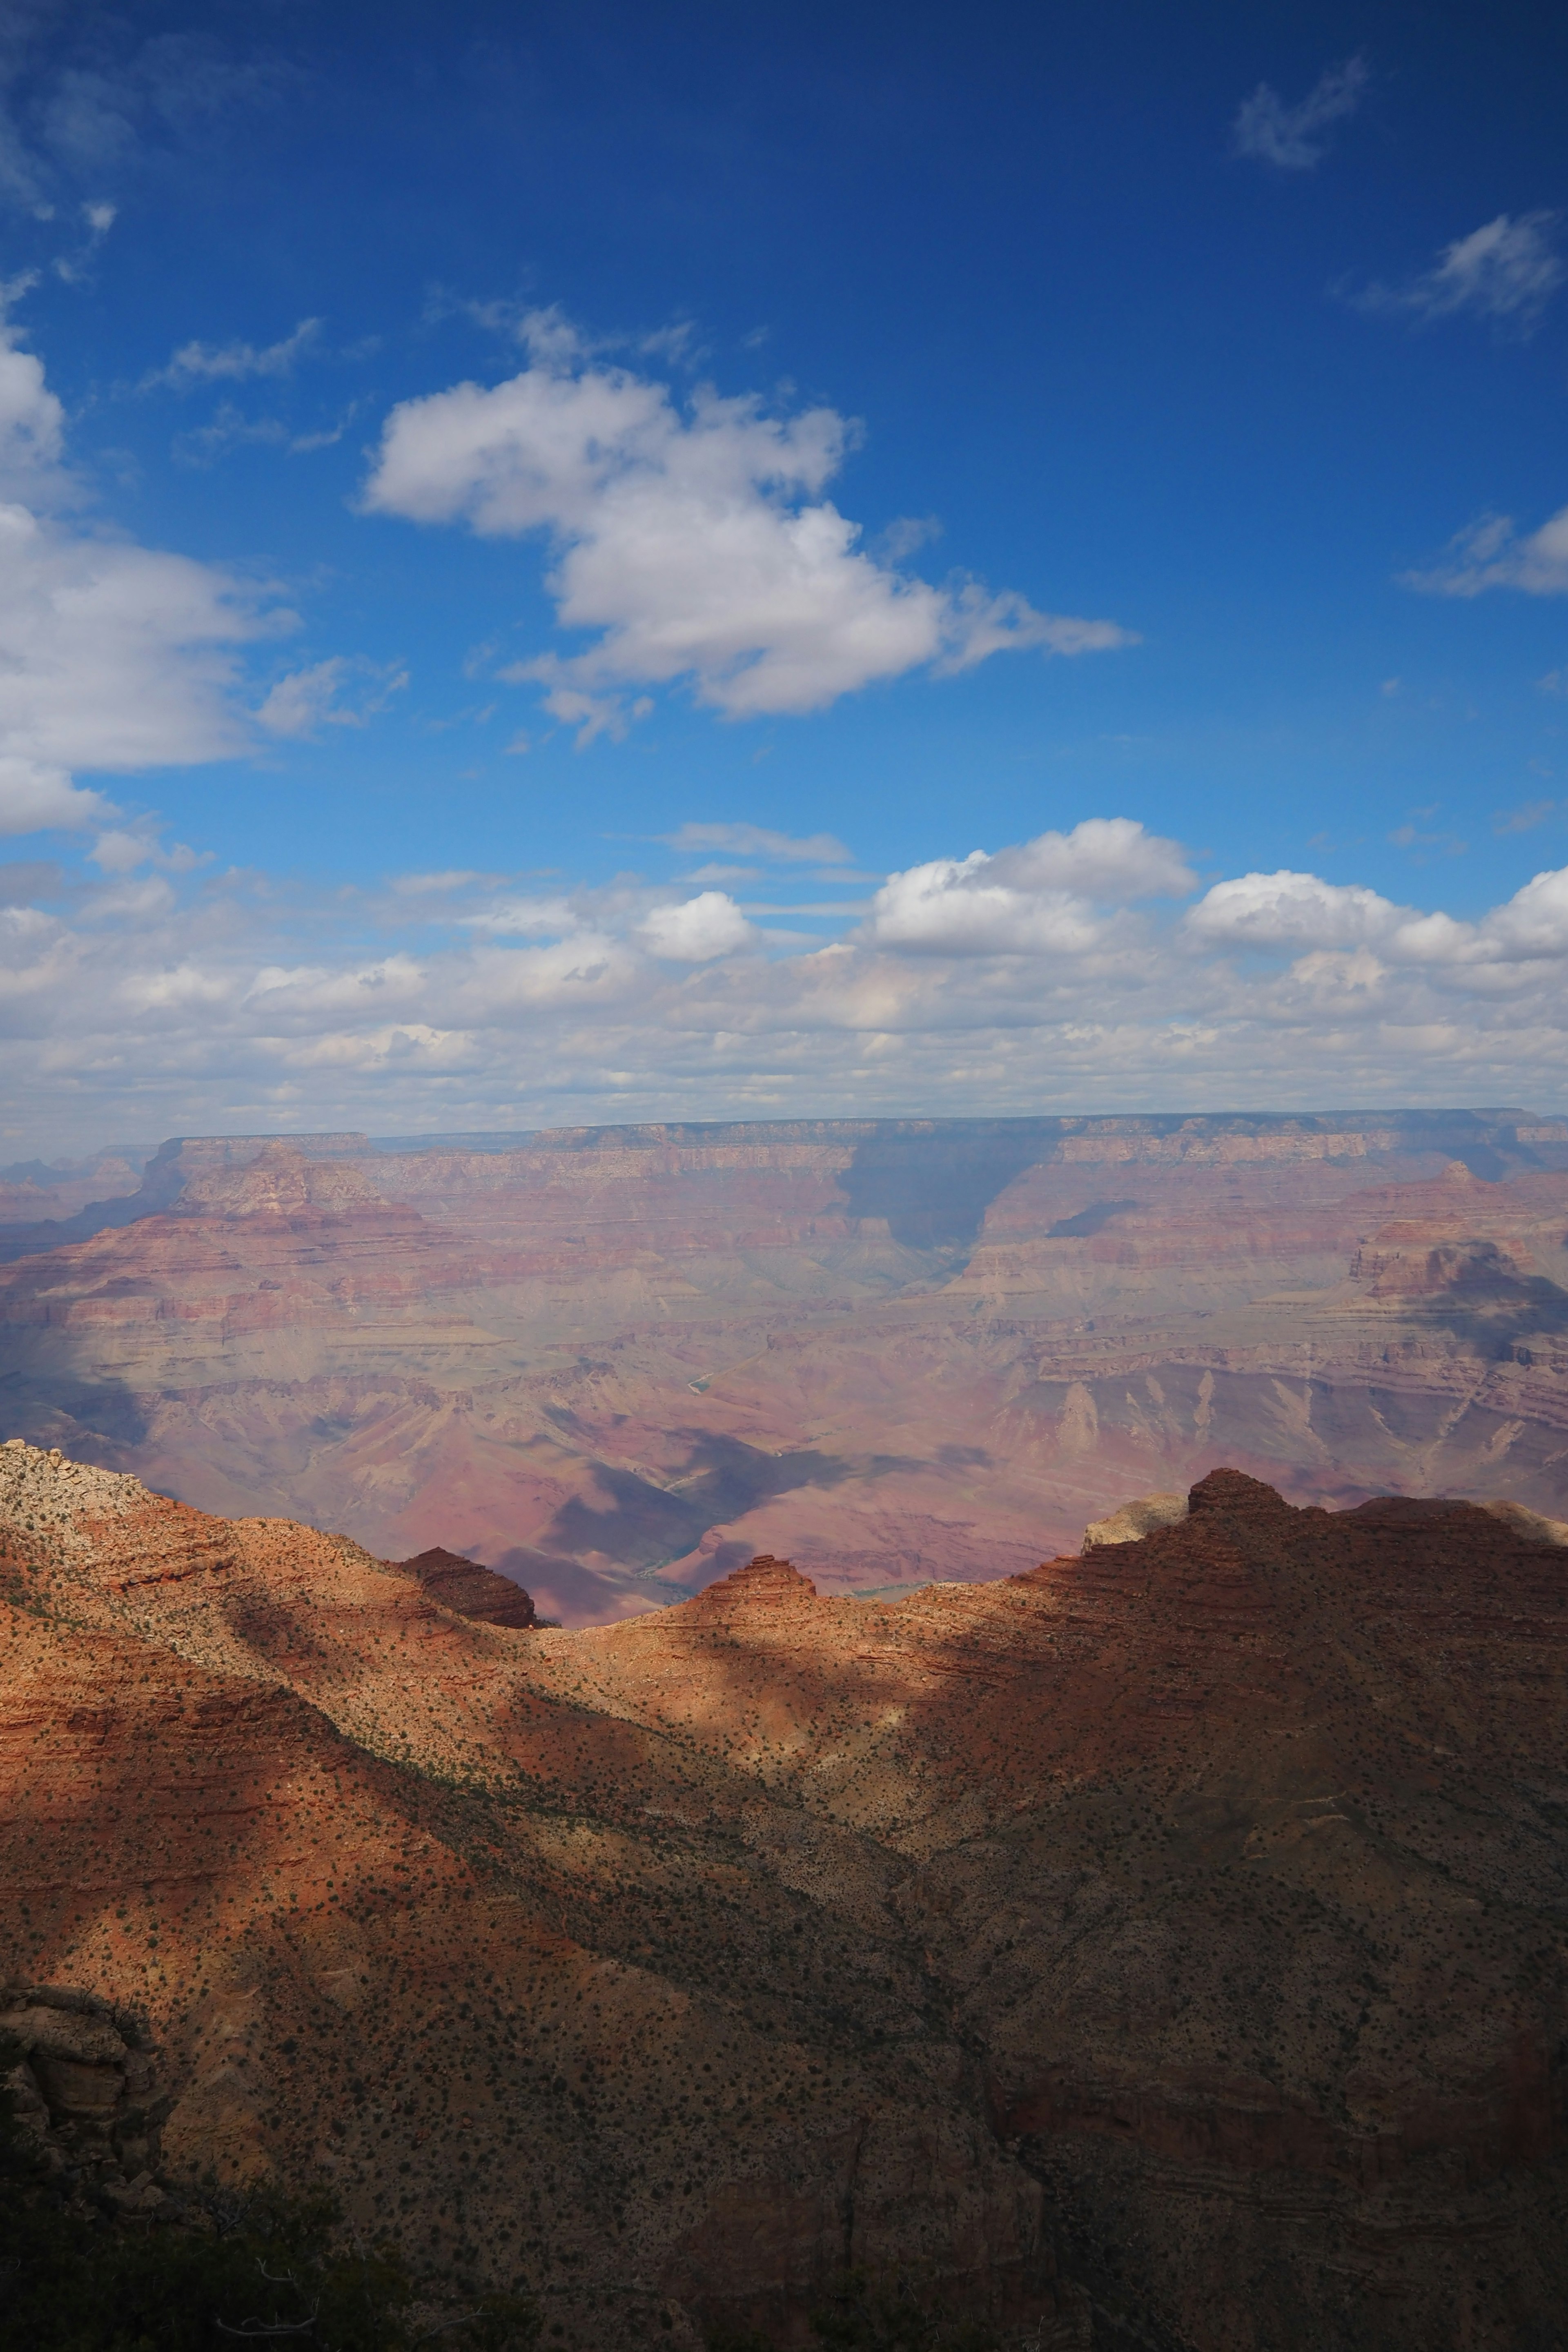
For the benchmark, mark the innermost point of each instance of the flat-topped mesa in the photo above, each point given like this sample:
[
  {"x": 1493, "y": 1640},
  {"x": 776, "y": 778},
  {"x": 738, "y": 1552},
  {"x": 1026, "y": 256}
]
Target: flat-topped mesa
[
  {"x": 764, "y": 1583},
  {"x": 471, "y": 1590}
]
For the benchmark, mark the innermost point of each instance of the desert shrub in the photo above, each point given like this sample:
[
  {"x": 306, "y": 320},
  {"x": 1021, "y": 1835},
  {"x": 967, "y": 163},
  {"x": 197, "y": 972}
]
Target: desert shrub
[{"x": 272, "y": 2268}]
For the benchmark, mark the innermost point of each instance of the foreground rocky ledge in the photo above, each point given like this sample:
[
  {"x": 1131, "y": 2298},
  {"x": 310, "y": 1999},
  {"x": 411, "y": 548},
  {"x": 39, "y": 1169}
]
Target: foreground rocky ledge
[{"x": 1165, "y": 1947}]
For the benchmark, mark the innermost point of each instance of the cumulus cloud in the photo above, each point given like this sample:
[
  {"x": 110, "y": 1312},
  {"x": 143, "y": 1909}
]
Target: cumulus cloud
[
  {"x": 697, "y": 929},
  {"x": 691, "y": 537},
  {"x": 1041, "y": 897},
  {"x": 122, "y": 851},
  {"x": 1490, "y": 553},
  {"x": 113, "y": 656},
  {"x": 1297, "y": 138},
  {"x": 180, "y": 999},
  {"x": 1287, "y": 910},
  {"x": 32, "y": 420},
  {"x": 1508, "y": 270}
]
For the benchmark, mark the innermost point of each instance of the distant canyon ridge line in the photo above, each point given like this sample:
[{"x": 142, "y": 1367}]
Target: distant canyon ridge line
[{"x": 616, "y": 1362}]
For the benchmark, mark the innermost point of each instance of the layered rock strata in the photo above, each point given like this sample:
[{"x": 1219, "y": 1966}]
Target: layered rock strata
[
  {"x": 1164, "y": 1946},
  {"x": 619, "y": 1363}
]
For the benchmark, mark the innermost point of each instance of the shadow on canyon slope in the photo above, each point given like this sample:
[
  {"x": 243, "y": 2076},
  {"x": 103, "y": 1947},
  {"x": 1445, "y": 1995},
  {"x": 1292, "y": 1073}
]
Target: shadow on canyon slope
[
  {"x": 1472, "y": 1291},
  {"x": 645, "y": 1525},
  {"x": 103, "y": 1422},
  {"x": 1087, "y": 1222},
  {"x": 934, "y": 1188}
]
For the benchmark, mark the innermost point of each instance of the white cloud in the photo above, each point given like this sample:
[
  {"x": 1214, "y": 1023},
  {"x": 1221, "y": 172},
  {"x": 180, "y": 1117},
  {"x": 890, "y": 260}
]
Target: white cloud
[
  {"x": 425, "y": 885},
  {"x": 697, "y": 929},
  {"x": 1294, "y": 138},
  {"x": 32, "y": 422},
  {"x": 1103, "y": 858},
  {"x": 1506, "y": 269},
  {"x": 693, "y": 537},
  {"x": 234, "y": 362},
  {"x": 1489, "y": 554},
  {"x": 305, "y": 701},
  {"x": 1287, "y": 909},
  {"x": 760, "y": 841},
  {"x": 1041, "y": 897},
  {"x": 524, "y": 919},
  {"x": 1535, "y": 922},
  {"x": 37, "y": 796},
  {"x": 113, "y": 657},
  {"x": 227, "y": 428},
  {"x": 122, "y": 852},
  {"x": 182, "y": 1001}
]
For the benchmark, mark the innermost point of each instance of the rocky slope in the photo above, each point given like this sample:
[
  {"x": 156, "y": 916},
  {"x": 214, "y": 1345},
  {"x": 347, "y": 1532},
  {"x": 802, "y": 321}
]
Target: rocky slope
[
  {"x": 618, "y": 1363},
  {"x": 1164, "y": 1946}
]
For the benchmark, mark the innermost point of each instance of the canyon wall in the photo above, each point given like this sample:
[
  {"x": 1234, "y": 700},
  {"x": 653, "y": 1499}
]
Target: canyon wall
[{"x": 614, "y": 1362}]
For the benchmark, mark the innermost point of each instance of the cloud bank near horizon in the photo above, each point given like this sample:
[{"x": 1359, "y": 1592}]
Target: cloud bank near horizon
[{"x": 1084, "y": 969}]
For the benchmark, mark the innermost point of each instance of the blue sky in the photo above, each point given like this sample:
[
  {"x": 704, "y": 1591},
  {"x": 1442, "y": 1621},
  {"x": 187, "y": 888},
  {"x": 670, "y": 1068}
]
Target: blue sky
[{"x": 457, "y": 456}]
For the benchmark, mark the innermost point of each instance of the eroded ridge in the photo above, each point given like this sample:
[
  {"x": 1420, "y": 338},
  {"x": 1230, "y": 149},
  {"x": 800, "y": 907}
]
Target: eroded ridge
[{"x": 1163, "y": 1945}]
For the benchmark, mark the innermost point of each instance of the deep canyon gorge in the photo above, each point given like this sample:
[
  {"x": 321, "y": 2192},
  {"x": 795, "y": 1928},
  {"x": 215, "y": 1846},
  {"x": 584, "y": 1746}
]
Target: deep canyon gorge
[
  {"x": 1046, "y": 1780},
  {"x": 616, "y": 1362}
]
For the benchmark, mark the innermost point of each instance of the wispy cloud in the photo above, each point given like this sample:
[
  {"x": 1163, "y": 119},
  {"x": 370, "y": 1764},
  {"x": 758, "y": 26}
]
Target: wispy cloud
[
  {"x": 1526, "y": 818},
  {"x": 227, "y": 428},
  {"x": 301, "y": 704},
  {"x": 1507, "y": 269},
  {"x": 234, "y": 362},
  {"x": 86, "y": 101},
  {"x": 1297, "y": 138},
  {"x": 691, "y": 537},
  {"x": 1489, "y": 554},
  {"x": 760, "y": 841}
]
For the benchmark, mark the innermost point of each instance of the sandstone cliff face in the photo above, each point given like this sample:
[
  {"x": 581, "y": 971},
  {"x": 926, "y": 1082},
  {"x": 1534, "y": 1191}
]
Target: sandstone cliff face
[{"x": 1162, "y": 1946}]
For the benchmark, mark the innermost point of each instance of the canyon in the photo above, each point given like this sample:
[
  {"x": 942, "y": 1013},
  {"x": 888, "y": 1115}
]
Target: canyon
[
  {"x": 615, "y": 1364},
  {"x": 1163, "y": 1945}
]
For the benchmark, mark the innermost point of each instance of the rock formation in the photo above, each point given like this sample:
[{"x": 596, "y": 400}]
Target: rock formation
[
  {"x": 618, "y": 1363},
  {"x": 83, "y": 2092},
  {"x": 1162, "y": 1946}
]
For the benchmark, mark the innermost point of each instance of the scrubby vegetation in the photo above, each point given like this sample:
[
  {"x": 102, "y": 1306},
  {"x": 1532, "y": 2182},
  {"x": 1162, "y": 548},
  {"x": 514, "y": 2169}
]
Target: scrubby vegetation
[{"x": 274, "y": 2269}]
